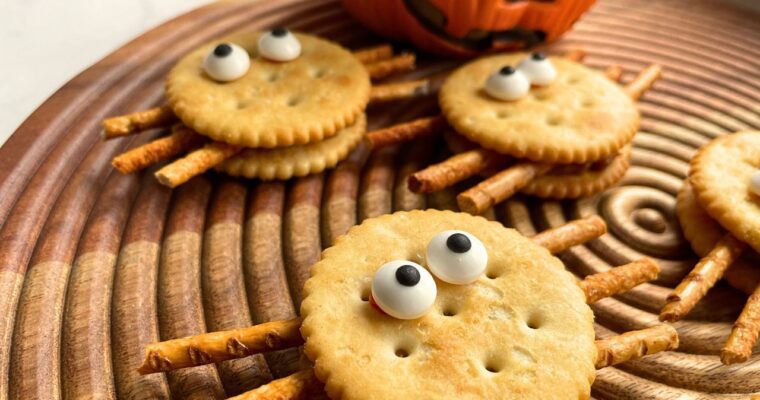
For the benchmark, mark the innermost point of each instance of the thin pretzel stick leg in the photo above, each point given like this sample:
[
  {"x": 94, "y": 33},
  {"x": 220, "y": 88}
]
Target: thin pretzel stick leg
[
  {"x": 614, "y": 73},
  {"x": 179, "y": 141},
  {"x": 136, "y": 122},
  {"x": 643, "y": 81},
  {"x": 406, "y": 131},
  {"x": 398, "y": 91},
  {"x": 571, "y": 234},
  {"x": 703, "y": 277},
  {"x": 195, "y": 163},
  {"x": 618, "y": 279},
  {"x": 219, "y": 346},
  {"x": 744, "y": 334},
  {"x": 301, "y": 385},
  {"x": 635, "y": 344},
  {"x": 575, "y": 55},
  {"x": 499, "y": 187},
  {"x": 385, "y": 68},
  {"x": 374, "y": 54},
  {"x": 452, "y": 170}
]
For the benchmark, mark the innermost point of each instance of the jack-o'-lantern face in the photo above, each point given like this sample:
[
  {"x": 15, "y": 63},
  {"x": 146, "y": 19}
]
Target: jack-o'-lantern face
[{"x": 472, "y": 26}]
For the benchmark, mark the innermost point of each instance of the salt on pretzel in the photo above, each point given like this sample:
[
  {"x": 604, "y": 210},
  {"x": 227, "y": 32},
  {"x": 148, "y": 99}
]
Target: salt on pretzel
[
  {"x": 635, "y": 344},
  {"x": 703, "y": 277},
  {"x": 181, "y": 140},
  {"x": 195, "y": 163},
  {"x": 128, "y": 124}
]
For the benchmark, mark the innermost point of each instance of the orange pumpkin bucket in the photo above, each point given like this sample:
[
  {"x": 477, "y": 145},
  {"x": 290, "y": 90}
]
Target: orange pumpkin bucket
[{"x": 469, "y": 27}]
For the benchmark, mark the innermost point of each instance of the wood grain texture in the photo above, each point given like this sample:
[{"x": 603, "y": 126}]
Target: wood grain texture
[
  {"x": 180, "y": 302},
  {"x": 224, "y": 297},
  {"x": 237, "y": 253},
  {"x": 268, "y": 293},
  {"x": 86, "y": 340},
  {"x": 134, "y": 310}
]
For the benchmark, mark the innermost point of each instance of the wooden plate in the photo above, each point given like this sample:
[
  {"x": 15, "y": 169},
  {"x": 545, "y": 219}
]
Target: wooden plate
[{"x": 96, "y": 264}]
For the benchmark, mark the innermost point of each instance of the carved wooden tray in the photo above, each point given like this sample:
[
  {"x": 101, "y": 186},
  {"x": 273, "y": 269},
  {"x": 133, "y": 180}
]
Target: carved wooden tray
[{"x": 95, "y": 264}]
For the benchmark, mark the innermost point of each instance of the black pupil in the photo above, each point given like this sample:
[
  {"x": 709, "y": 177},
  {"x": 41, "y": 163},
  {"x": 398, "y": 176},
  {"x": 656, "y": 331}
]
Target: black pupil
[
  {"x": 458, "y": 243},
  {"x": 508, "y": 70},
  {"x": 223, "y": 50},
  {"x": 279, "y": 32},
  {"x": 407, "y": 275},
  {"x": 538, "y": 56}
]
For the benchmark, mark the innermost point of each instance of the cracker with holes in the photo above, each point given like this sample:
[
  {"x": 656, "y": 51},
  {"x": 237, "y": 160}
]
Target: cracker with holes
[
  {"x": 436, "y": 304},
  {"x": 544, "y": 126},
  {"x": 719, "y": 210},
  {"x": 267, "y": 105}
]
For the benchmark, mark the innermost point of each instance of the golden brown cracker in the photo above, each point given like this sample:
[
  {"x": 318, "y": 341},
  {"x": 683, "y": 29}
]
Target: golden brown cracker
[
  {"x": 580, "y": 181},
  {"x": 522, "y": 328},
  {"x": 297, "y": 160},
  {"x": 275, "y": 103},
  {"x": 720, "y": 175},
  {"x": 702, "y": 232},
  {"x": 581, "y": 117}
]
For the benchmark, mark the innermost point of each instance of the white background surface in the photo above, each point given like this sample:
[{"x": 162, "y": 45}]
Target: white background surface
[{"x": 44, "y": 43}]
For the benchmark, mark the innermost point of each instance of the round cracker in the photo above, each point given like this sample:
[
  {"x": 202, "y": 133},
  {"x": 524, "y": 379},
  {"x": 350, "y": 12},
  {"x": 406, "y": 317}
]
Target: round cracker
[
  {"x": 299, "y": 160},
  {"x": 525, "y": 318},
  {"x": 720, "y": 175},
  {"x": 702, "y": 232},
  {"x": 275, "y": 103},
  {"x": 581, "y": 117},
  {"x": 585, "y": 182},
  {"x": 581, "y": 181}
]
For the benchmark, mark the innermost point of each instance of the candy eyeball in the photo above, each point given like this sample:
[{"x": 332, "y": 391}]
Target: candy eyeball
[
  {"x": 538, "y": 69},
  {"x": 226, "y": 62},
  {"x": 403, "y": 289},
  {"x": 507, "y": 84},
  {"x": 279, "y": 45},
  {"x": 456, "y": 257},
  {"x": 754, "y": 183}
]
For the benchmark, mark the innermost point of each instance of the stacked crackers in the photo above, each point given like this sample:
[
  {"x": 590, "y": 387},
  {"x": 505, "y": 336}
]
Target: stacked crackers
[
  {"x": 568, "y": 138},
  {"x": 268, "y": 116},
  {"x": 719, "y": 211}
]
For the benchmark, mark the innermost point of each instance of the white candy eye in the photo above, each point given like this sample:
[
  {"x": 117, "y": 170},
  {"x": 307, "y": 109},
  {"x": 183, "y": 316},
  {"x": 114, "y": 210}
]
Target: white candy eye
[
  {"x": 754, "y": 183},
  {"x": 279, "y": 45},
  {"x": 507, "y": 84},
  {"x": 403, "y": 289},
  {"x": 456, "y": 257},
  {"x": 538, "y": 69},
  {"x": 226, "y": 62}
]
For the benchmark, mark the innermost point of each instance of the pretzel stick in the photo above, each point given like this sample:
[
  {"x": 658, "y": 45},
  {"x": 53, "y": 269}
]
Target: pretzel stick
[
  {"x": 499, "y": 187},
  {"x": 744, "y": 334},
  {"x": 635, "y": 344},
  {"x": 384, "y": 68},
  {"x": 136, "y": 122},
  {"x": 195, "y": 163},
  {"x": 571, "y": 234},
  {"x": 300, "y": 385},
  {"x": 614, "y": 72},
  {"x": 219, "y": 346},
  {"x": 452, "y": 170},
  {"x": 179, "y": 141},
  {"x": 643, "y": 81},
  {"x": 405, "y": 132},
  {"x": 398, "y": 91},
  {"x": 618, "y": 279},
  {"x": 373, "y": 54},
  {"x": 704, "y": 275},
  {"x": 575, "y": 55}
]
